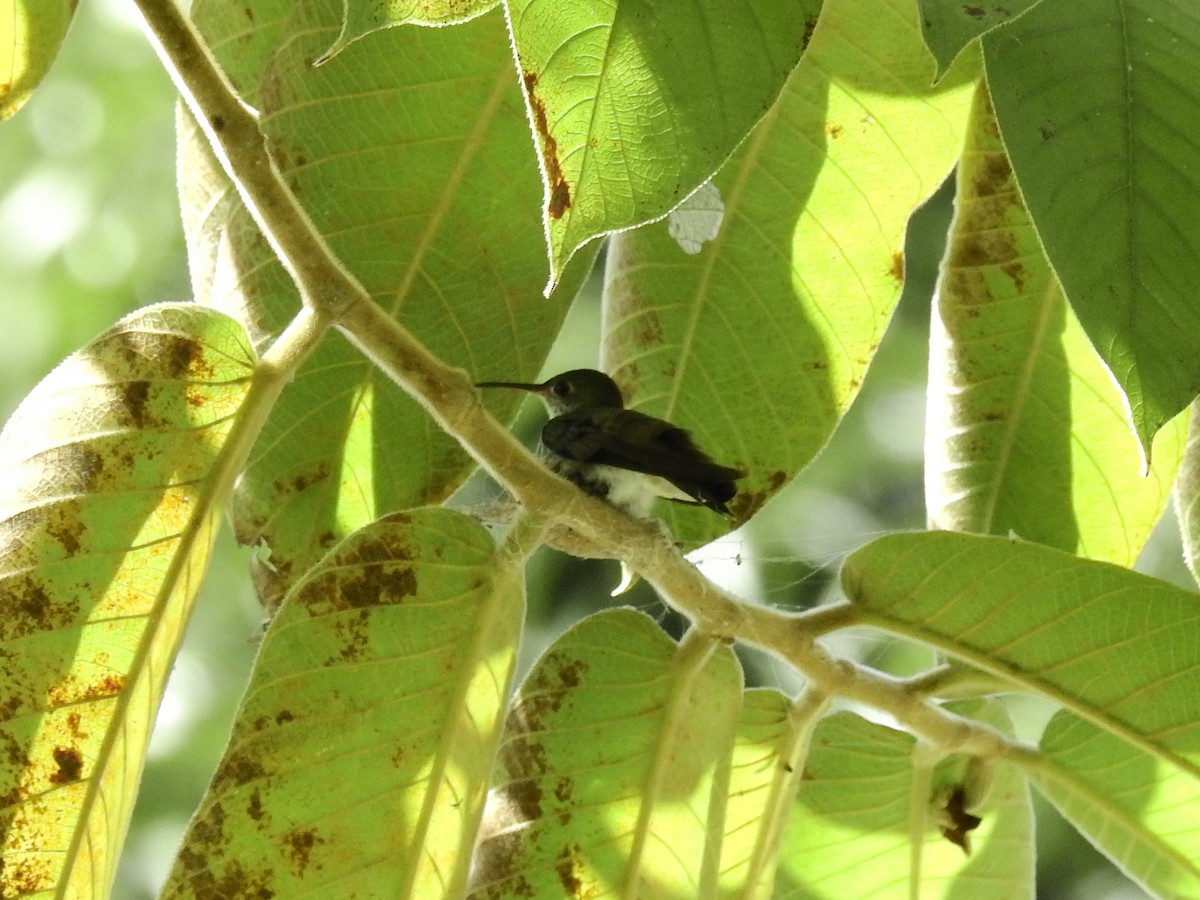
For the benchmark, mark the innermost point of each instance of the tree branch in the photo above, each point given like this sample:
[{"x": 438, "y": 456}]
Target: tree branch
[{"x": 587, "y": 525}]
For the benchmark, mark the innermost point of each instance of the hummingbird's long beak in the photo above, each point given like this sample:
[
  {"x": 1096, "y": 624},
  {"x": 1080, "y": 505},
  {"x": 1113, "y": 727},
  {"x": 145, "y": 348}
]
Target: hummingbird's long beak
[{"x": 532, "y": 388}]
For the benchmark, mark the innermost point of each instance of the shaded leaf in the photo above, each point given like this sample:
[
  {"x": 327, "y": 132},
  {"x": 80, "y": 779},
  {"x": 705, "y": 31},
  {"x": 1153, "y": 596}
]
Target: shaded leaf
[
  {"x": 1103, "y": 87},
  {"x": 410, "y": 152},
  {"x": 760, "y": 341},
  {"x": 635, "y": 104},
  {"x": 359, "y": 760},
  {"x": 1027, "y": 434},
  {"x": 949, "y": 25},
  {"x": 1114, "y": 646},
  {"x": 111, "y": 476},
  {"x": 614, "y": 757},
  {"x": 1137, "y": 809}
]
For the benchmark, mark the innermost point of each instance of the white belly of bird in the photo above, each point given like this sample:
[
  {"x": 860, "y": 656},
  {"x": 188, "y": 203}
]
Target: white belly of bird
[{"x": 636, "y": 492}]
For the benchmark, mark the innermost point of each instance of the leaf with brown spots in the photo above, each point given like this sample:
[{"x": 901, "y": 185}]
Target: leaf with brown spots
[
  {"x": 758, "y": 343},
  {"x": 615, "y": 745},
  {"x": 633, "y": 105},
  {"x": 109, "y": 486},
  {"x": 397, "y": 650},
  {"x": 1013, "y": 446},
  {"x": 457, "y": 254}
]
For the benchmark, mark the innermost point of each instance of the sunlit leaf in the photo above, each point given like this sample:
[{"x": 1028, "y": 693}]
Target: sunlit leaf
[
  {"x": 613, "y": 756},
  {"x": 868, "y": 817},
  {"x": 634, "y": 104},
  {"x": 1137, "y": 808},
  {"x": 1027, "y": 434},
  {"x": 30, "y": 34},
  {"x": 111, "y": 477},
  {"x": 1116, "y": 647},
  {"x": 360, "y": 756},
  {"x": 410, "y": 151},
  {"x": 1093, "y": 97},
  {"x": 759, "y": 342},
  {"x": 362, "y": 19}
]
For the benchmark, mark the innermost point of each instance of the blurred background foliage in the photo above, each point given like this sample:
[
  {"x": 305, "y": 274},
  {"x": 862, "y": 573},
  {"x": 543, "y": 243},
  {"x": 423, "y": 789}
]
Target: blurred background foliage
[{"x": 89, "y": 230}]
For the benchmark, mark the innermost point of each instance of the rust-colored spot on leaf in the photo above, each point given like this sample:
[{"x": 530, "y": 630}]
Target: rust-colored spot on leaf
[
  {"x": 566, "y": 867},
  {"x": 298, "y": 845},
  {"x": 254, "y": 808},
  {"x": 560, "y": 191},
  {"x": 135, "y": 397},
  {"x": 834, "y": 131},
  {"x": 896, "y": 269},
  {"x": 70, "y": 765},
  {"x": 22, "y": 877},
  {"x": 525, "y": 796},
  {"x": 974, "y": 12}
]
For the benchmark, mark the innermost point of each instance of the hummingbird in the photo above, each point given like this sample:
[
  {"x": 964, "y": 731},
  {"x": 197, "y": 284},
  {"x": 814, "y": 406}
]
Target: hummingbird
[{"x": 625, "y": 457}]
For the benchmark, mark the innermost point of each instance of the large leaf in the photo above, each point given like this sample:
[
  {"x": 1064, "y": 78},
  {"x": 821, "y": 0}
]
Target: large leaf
[
  {"x": 1116, "y": 647},
  {"x": 396, "y": 651},
  {"x": 1137, "y": 809},
  {"x": 31, "y": 32},
  {"x": 614, "y": 762},
  {"x": 111, "y": 475},
  {"x": 758, "y": 342},
  {"x": 634, "y": 103},
  {"x": 1026, "y": 433},
  {"x": 410, "y": 151},
  {"x": 868, "y": 820},
  {"x": 1094, "y": 100}
]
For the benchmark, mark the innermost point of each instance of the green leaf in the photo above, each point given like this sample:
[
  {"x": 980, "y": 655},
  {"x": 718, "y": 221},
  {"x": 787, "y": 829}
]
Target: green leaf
[
  {"x": 359, "y": 760},
  {"x": 1027, "y": 434},
  {"x": 766, "y": 768},
  {"x": 634, "y": 104},
  {"x": 1187, "y": 498},
  {"x": 1113, "y": 646},
  {"x": 361, "y": 19},
  {"x": 949, "y": 25},
  {"x": 410, "y": 152},
  {"x": 866, "y": 821},
  {"x": 1138, "y": 809},
  {"x": 613, "y": 767},
  {"x": 111, "y": 477},
  {"x": 1102, "y": 87},
  {"x": 759, "y": 342},
  {"x": 31, "y": 32}
]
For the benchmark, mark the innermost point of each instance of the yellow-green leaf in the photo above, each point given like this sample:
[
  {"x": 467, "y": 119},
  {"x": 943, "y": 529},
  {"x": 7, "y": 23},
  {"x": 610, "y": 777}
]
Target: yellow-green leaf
[
  {"x": 359, "y": 760},
  {"x": 1116, "y": 647},
  {"x": 634, "y": 103},
  {"x": 759, "y": 342},
  {"x": 410, "y": 151},
  {"x": 868, "y": 821},
  {"x": 30, "y": 34},
  {"x": 361, "y": 19},
  {"x": 1138, "y": 809},
  {"x": 614, "y": 757},
  {"x": 110, "y": 482},
  {"x": 1026, "y": 432}
]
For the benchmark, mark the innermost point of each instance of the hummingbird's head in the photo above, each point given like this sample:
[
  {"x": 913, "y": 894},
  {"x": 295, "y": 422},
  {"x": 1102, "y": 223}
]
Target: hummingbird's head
[{"x": 577, "y": 389}]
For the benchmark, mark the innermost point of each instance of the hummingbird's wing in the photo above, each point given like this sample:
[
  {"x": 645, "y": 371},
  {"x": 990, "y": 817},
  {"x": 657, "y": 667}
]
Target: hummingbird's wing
[{"x": 627, "y": 439}]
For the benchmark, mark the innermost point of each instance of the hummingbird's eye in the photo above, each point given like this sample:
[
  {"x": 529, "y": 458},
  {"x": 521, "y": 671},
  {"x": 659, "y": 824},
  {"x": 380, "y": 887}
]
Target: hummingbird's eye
[{"x": 561, "y": 388}]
